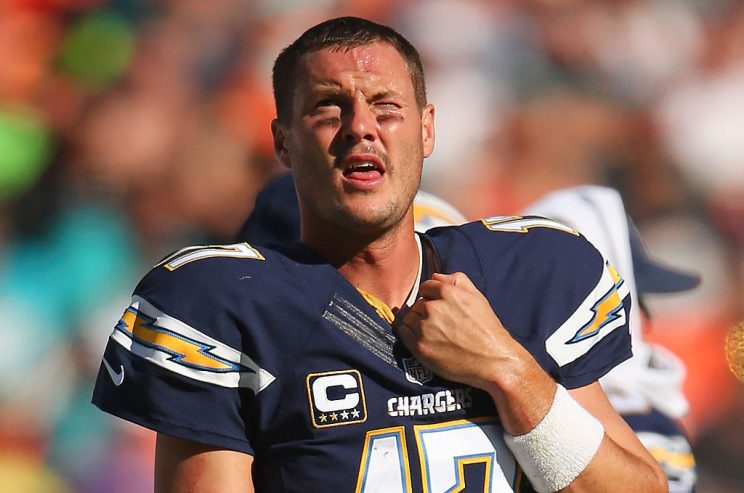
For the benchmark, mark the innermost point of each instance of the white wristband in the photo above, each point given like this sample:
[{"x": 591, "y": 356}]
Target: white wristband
[{"x": 555, "y": 451}]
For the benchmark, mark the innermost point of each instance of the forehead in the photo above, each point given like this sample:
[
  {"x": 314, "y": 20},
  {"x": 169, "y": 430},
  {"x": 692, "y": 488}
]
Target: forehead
[{"x": 372, "y": 63}]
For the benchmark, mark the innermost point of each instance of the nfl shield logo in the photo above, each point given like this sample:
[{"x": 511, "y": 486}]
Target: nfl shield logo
[{"x": 416, "y": 372}]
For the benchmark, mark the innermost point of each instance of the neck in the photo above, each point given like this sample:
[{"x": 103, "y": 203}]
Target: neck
[{"x": 385, "y": 266}]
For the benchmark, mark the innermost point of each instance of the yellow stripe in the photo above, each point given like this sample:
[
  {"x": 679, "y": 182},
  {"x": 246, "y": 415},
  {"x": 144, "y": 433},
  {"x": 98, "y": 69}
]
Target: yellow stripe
[
  {"x": 400, "y": 432},
  {"x": 380, "y": 306},
  {"x": 607, "y": 306},
  {"x": 138, "y": 326},
  {"x": 520, "y": 475},
  {"x": 461, "y": 463},
  {"x": 681, "y": 460},
  {"x": 613, "y": 273}
]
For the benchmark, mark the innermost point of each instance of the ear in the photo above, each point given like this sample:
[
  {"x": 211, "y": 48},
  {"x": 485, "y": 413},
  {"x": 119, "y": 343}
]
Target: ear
[
  {"x": 427, "y": 129},
  {"x": 280, "y": 142}
]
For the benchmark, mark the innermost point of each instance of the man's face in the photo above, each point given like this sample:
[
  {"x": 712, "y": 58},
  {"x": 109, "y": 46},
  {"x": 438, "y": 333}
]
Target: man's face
[{"x": 357, "y": 139}]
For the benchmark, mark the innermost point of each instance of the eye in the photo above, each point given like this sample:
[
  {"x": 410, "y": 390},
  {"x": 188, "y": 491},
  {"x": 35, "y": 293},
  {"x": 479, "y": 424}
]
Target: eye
[
  {"x": 328, "y": 111},
  {"x": 388, "y": 110},
  {"x": 388, "y": 105},
  {"x": 327, "y": 103}
]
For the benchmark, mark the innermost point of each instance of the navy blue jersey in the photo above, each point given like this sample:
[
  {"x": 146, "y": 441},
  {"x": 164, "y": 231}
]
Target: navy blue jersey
[
  {"x": 667, "y": 441},
  {"x": 275, "y": 354},
  {"x": 663, "y": 436}
]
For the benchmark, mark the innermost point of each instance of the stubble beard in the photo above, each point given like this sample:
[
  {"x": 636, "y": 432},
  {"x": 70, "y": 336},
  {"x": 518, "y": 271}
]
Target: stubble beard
[
  {"x": 372, "y": 219},
  {"x": 375, "y": 220},
  {"x": 378, "y": 218}
]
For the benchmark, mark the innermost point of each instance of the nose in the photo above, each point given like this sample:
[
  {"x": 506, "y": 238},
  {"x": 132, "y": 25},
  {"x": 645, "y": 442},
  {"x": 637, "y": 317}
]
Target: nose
[{"x": 359, "y": 123}]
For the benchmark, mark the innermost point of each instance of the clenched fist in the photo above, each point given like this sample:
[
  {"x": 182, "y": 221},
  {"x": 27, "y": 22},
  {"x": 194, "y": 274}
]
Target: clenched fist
[{"x": 453, "y": 330}]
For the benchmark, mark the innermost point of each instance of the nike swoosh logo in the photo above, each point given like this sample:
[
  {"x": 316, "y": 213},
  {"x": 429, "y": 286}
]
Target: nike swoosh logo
[{"x": 116, "y": 377}]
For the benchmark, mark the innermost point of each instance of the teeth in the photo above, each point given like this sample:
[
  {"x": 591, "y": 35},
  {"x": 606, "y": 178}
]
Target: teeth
[{"x": 364, "y": 167}]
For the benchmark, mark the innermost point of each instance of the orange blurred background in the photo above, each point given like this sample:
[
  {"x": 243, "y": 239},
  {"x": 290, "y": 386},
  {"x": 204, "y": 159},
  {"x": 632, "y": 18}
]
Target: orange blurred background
[{"x": 129, "y": 128}]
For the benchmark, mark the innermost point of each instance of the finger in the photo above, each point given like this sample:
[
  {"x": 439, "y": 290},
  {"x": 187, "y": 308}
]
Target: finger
[
  {"x": 405, "y": 334},
  {"x": 411, "y": 327},
  {"x": 416, "y": 312},
  {"x": 459, "y": 279},
  {"x": 436, "y": 287},
  {"x": 431, "y": 289},
  {"x": 445, "y": 278}
]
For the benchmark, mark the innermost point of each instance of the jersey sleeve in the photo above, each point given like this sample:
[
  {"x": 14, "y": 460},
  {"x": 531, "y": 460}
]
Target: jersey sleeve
[
  {"x": 557, "y": 295},
  {"x": 184, "y": 357}
]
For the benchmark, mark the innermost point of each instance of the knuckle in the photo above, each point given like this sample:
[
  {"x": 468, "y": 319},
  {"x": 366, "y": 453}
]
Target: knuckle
[
  {"x": 423, "y": 350},
  {"x": 435, "y": 310},
  {"x": 418, "y": 309},
  {"x": 462, "y": 278},
  {"x": 447, "y": 290}
]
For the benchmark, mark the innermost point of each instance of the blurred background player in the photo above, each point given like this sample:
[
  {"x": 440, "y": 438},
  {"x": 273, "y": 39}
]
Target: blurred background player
[
  {"x": 275, "y": 219},
  {"x": 646, "y": 389}
]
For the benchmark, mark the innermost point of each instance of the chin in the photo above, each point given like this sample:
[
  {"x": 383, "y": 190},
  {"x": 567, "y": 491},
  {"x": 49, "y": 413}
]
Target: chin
[
  {"x": 377, "y": 224},
  {"x": 371, "y": 212}
]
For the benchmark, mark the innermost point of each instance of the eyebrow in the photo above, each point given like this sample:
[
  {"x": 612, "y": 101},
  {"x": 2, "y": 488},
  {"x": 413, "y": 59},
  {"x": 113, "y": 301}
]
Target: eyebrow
[
  {"x": 326, "y": 85},
  {"x": 326, "y": 90},
  {"x": 388, "y": 93},
  {"x": 331, "y": 89}
]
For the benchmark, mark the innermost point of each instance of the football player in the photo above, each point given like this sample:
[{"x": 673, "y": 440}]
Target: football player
[
  {"x": 367, "y": 357},
  {"x": 646, "y": 389}
]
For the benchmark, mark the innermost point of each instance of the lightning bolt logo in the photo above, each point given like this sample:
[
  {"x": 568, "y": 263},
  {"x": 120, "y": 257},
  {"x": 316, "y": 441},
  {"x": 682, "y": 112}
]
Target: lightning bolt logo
[
  {"x": 601, "y": 313},
  {"x": 159, "y": 338},
  {"x": 183, "y": 350},
  {"x": 606, "y": 310}
]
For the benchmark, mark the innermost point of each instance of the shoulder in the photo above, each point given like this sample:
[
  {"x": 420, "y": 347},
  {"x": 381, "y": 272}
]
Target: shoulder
[
  {"x": 225, "y": 290},
  {"x": 230, "y": 300},
  {"x": 208, "y": 273},
  {"x": 557, "y": 294},
  {"x": 535, "y": 233},
  {"x": 205, "y": 325},
  {"x": 516, "y": 259},
  {"x": 198, "y": 259},
  {"x": 215, "y": 270},
  {"x": 524, "y": 242}
]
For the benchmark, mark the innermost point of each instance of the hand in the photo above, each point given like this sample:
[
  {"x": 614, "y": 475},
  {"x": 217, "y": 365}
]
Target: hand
[{"x": 453, "y": 330}]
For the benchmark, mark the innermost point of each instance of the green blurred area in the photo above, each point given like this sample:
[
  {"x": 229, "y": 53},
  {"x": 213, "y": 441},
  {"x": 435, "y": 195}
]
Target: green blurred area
[
  {"x": 97, "y": 48},
  {"x": 26, "y": 146}
]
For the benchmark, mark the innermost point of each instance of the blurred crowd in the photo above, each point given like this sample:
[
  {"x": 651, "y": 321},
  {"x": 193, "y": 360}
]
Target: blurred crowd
[{"x": 130, "y": 128}]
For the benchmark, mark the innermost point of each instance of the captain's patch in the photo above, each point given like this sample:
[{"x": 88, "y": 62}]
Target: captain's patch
[{"x": 336, "y": 398}]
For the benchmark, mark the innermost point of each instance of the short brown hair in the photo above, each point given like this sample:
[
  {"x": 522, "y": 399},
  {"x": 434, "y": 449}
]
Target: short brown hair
[{"x": 342, "y": 32}]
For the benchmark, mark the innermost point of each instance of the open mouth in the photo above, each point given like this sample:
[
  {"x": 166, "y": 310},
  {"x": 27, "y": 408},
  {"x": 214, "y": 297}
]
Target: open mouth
[{"x": 362, "y": 167}]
